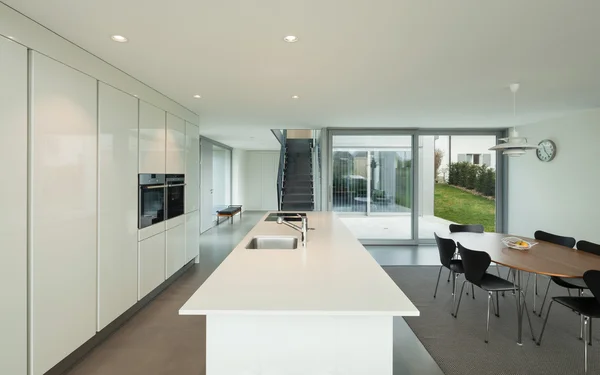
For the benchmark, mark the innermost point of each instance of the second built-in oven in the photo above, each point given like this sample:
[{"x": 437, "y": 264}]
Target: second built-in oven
[{"x": 175, "y": 197}]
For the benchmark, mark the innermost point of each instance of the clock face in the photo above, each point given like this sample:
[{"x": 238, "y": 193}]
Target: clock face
[{"x": 546, "y": 150}]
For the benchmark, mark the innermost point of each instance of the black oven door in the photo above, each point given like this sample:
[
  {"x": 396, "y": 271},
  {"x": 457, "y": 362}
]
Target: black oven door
[
  {"x": 151, "y": 205},
  {"x": 175, "y": 200}
]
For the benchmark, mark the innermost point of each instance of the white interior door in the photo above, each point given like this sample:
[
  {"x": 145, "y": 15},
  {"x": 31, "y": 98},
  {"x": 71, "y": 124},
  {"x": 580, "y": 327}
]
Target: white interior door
[{"x": 206, "y": 190}]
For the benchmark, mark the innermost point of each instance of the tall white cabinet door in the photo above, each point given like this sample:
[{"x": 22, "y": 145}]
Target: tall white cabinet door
[
  {"x": 175, "y": 249},
  {"x": 192, "y": 167},
  {"x": 13, "y": 200},
  {"x": 206, "y": 183},
  {"x": 175, "y": 144},
  {"x": 151, "y": 263},
  {"x": 152, "y": 135},
  {"x": 117, "y": 203},
  {"x": 192, "y": 233},
  {"x": 63, "y": 211}
]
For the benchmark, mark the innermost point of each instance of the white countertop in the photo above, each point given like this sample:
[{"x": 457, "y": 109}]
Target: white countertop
[{"x": 333, "y": 275}]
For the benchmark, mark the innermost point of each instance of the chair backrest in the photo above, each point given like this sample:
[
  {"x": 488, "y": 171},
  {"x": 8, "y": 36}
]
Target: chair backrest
[
  {"x": 475, "y": 263},
  {"x": 472, "y": 228},
  {"x": 554, "y": 238},
  {"x": 446, "y": 248},
  {"x": 592, "y": 280},
  {"x": 588, "y": 247}
]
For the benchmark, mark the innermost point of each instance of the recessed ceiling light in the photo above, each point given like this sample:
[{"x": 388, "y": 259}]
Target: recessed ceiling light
[
  {"x": 295, "y": 97},
  {"x": 197, "y": 96},
  {"x": 290, "y": 39},
  {"x": 119, "y": 38}
]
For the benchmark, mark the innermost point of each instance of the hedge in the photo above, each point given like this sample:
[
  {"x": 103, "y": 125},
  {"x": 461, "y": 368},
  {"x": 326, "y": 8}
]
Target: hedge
[{"x": 480, "y": 178}]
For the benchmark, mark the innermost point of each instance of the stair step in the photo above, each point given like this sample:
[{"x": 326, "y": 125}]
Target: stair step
[
  {"x": 297, "y": 206},
  {"x": 297, "y": 198},
  {"x": 298, "y": 190},
  {"x": 297, "y": 184}
]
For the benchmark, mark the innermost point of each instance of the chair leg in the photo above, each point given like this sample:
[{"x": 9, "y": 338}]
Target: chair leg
[
  {"x": 590, "y": 333},
  {"x": 507, "y": 278},
  {"x": 535, "y": 291},
  {"x": 545, "y": 296},
  {"x": 585, "y": 346},
  {"x": 473, "y": 290},
  {"x": 539, "y": 342},
  {"x": 459, "y": 298},
  {"x": 497, "y": 305},
  {"x": 487, "y": 327},
  {"x": 581, "y": 326},
  {"x": 438, "y": 282},
  {"x": 449, "y": 273},
  {"x": 454, "y": 277}
]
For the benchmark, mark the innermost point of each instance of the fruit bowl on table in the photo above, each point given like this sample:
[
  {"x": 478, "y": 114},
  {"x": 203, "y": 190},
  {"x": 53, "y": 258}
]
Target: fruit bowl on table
[{"x": 517, "y": 243}]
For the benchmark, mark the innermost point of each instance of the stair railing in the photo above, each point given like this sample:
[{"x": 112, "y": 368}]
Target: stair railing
[{"x": 280, "y": 172}]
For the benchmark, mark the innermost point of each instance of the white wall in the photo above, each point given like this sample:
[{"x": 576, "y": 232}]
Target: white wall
[
  {"x": 260, "y": 186},
  {"x": 560, "y": 196},
  {"x": 13, "y": 200},
  {"x": 238, "y": 177}
]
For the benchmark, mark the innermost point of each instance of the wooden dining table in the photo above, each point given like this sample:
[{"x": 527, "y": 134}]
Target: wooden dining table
[{"x": 543, "y": 258}]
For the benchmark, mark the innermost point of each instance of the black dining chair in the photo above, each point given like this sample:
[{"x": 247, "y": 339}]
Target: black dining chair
[
  {"x": 565, "y": 283},
  {"x": 587, "y": 307},
  {"x": 447, "y": 250},
  {"x": 469, "y": 228},
  {"x": 588, "y": 247},
  {"x": 475, "y": 264}
]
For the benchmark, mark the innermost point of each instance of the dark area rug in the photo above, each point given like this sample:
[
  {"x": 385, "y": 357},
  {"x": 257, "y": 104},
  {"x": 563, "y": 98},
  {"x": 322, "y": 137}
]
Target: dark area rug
[{"x": 458, "y": 346}]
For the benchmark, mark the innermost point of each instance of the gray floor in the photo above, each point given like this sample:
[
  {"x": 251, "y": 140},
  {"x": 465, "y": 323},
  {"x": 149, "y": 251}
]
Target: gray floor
[
  {"x": 405, "y": 255},
  {"x": 158, "y": 341}
]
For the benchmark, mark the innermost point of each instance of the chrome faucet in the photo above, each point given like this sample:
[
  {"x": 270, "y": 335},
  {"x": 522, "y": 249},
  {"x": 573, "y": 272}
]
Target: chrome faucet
[{"x": 302, "y": 229}]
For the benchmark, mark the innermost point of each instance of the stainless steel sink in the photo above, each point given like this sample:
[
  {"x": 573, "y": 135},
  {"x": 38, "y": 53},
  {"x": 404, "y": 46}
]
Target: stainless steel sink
[{"x": 273, "y": 243}]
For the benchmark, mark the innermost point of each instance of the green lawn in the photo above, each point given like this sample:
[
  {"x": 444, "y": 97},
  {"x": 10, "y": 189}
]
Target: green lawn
[{"x": 464, "y": 208}]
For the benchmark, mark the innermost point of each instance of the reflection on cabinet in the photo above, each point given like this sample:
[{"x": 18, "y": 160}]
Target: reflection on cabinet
[
  {"x": 152, "y": 133},
  {"x": 13, "y": 200},
  {"x": 63, "y": 211},
  {"x": 176, "y": 144},
  {"x": 175, "y": 249},
  {"x": 117, "y": 203},
  {"x": 261, "y": 180},
  {"x": 192, "y": 233},
  {"x": 192, "y": 168},
  {"x": 151, "y": 255}
]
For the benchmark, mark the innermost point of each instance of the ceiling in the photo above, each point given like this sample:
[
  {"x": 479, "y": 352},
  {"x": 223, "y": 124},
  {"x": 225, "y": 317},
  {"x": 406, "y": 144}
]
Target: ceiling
[{"x": 378, "y": 63}]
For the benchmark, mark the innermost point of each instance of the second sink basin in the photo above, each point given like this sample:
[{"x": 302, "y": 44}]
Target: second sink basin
[{"x": 273, "y": 243}]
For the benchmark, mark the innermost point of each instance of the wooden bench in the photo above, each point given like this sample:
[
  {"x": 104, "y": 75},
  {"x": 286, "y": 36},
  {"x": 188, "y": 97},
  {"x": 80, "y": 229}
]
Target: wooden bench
[{"x": 229, "y": 212}]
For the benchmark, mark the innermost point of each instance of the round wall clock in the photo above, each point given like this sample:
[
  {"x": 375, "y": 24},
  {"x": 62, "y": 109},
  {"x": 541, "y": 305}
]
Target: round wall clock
[{"x": 546, "y": 150}]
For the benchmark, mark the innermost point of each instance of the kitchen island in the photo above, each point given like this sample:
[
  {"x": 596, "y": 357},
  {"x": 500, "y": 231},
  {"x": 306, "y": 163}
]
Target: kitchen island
[{"x": 326, "y": 308}]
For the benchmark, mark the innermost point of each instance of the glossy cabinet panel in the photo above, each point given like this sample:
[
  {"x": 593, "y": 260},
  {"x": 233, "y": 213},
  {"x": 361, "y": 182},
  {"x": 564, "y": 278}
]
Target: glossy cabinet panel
[
  {"x": 192, "y": 234},
  {"x": 117, "y": 203},
  {"x": 152, "y": 139},
  {"x": 176, "y": 149},
  {"x": 151, "y": 256},
  {"x": 63, "y": 215},
  {"x": 13, "y": 200},
  {"x": 192, "y": 167},
  {"x": 175, "y": 249}
]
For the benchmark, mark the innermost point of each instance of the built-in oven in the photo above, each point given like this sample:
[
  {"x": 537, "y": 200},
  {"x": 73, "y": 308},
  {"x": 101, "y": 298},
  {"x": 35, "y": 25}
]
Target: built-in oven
[
  {"x": 151, "y": 199},
  {"x": 175, "y": 204}
]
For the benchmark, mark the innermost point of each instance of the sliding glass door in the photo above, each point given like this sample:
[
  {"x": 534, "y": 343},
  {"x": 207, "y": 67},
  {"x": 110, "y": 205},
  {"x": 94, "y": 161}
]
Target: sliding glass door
[
  {"x": 371, "y": 185},
  {"x": 400, "y": 187}
]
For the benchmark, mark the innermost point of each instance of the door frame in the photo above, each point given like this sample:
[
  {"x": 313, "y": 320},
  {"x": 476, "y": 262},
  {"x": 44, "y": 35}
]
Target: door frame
[{"x": 501, "y": 173}]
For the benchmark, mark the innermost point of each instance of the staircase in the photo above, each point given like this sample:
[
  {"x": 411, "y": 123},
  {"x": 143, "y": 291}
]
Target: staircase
[{"x": 297, "y": 192}]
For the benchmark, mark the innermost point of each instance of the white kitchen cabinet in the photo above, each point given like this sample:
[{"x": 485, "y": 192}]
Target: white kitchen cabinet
[
  {"x": 175, "y": 249},
  {"x": 192, "y": 167},
  {"x": 151, "y": 256},
  {"x": 13, "y": 200},
  {"x": 192, "y": 233},
  {"x": 117, "y": 203},
  {"x": 63, "y": 214},
  {"x": 152, "y": 139},
  {"x": 176, "y": 144}
]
